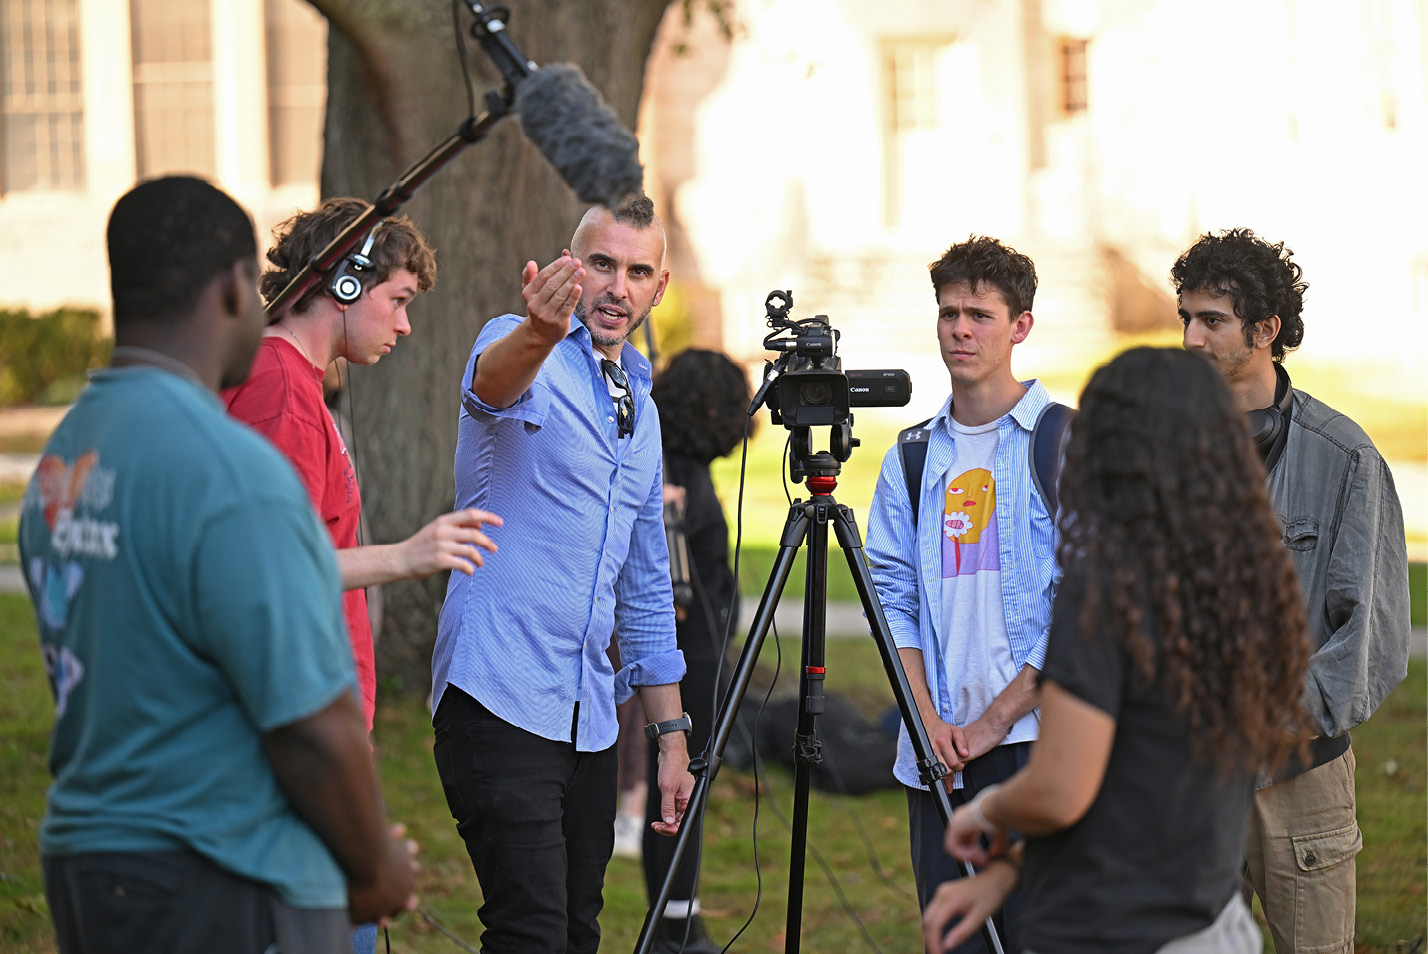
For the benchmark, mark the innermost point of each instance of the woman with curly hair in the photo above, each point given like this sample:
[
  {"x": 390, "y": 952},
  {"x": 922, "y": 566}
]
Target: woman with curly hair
[{"x": 1174, "y": 674}]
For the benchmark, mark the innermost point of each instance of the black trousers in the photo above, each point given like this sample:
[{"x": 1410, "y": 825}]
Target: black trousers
[
  {"x": 176, "y": 902},
  {"x": 931, "y": 865},
  {"x": 538, "y": 819}
]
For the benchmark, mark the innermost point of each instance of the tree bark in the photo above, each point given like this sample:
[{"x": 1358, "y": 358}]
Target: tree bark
[{"x": 395, "y": 91}]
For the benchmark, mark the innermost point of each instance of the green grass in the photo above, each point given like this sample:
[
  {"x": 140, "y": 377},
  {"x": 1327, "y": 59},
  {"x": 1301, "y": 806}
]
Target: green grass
[
  {"x": 26, "y": 713},
  {"x": 877, "y": 881},
  {"x": 1418, "y": 593},
  {"x": 1393, "y": 815}
]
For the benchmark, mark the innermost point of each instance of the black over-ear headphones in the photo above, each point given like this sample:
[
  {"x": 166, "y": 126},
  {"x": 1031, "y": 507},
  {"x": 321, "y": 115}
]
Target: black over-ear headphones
[
  {"x": 1267, "y": 424},
  {"x": 346, "y": 284}
]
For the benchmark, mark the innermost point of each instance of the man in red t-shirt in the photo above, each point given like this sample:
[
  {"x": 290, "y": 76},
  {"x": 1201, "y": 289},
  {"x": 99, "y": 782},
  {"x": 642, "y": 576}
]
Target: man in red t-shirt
[{"x": 283, "y": 400}]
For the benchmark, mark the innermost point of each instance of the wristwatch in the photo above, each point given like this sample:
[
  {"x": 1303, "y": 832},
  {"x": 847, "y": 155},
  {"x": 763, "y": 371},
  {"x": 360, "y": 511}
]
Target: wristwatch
[{"x": 683, "y": 724}]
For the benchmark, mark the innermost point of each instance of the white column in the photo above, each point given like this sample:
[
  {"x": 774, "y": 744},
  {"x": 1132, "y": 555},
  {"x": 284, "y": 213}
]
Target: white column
[
  {"x": 106, "y": 64},
  {"x": 240, "y": 97}
]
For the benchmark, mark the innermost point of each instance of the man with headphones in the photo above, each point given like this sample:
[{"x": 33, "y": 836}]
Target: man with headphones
[
  {"x": 1240, "y": 301},
  {"x": 358, "y": 314}
]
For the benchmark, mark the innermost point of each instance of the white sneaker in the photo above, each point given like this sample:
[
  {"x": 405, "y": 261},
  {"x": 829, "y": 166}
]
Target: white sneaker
[{"x": 629, "y": 835}]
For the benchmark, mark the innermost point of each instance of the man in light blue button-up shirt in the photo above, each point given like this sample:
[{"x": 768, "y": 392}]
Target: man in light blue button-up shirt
[
  {"x": 557, "y": 427},
  {"x": 967, "y": 572}
]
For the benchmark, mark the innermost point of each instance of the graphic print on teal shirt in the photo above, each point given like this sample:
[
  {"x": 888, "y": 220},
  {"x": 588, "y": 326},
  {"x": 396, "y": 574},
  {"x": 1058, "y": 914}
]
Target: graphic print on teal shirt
[
  {"x": 65, "y": 487},
  {"x": 969, "y": 524}
]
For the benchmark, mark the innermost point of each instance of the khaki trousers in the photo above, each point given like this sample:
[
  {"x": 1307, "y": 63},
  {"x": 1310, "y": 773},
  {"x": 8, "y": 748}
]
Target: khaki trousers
[{"x": 1299, "y": 858}]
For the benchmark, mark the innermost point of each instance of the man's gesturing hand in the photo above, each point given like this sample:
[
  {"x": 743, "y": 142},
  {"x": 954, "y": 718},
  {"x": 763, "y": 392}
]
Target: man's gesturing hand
[{"x": 551, "y": 295}]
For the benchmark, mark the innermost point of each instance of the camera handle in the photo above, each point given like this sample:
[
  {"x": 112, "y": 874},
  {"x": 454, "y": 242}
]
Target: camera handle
[{"x": 808, "y": 524}]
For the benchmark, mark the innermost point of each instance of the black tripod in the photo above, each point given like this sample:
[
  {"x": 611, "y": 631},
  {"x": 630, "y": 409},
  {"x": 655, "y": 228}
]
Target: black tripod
[{"x": 808, "y": 521}]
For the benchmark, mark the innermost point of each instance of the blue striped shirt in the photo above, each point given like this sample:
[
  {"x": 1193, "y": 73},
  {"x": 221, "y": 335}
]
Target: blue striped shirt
[
  {"x": 582, "y": 553},
  {"x": 906, "y": 560}
]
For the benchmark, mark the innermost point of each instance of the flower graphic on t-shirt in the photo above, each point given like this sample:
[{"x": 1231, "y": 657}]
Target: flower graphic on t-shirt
[{"x": 956, "y": 525}]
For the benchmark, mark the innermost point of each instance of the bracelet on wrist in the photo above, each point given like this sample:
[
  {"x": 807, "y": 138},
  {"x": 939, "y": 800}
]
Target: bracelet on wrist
[{"x": 974, "y": 809}]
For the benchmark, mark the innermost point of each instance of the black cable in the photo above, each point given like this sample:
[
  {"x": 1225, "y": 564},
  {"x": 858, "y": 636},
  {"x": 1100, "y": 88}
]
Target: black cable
[
  {"x": 833, "y": 882},
  {"x": 461, "y": 56},
  {"x": 783, "y": 468},
  {"x": 738, "y": 548},
  {"x": 443, "y": 929},
  {"x": 758, "y": 872}
]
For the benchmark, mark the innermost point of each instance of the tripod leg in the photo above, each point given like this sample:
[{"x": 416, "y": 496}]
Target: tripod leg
[
  {"x": 706, "y": 766},
  {"x": 930, "y": 768},
  {"x": 811, "y": 704}
]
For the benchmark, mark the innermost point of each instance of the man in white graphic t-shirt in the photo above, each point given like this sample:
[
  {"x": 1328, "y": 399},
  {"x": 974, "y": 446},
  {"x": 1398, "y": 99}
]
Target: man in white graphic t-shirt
[{"x": 966, "y": 573}]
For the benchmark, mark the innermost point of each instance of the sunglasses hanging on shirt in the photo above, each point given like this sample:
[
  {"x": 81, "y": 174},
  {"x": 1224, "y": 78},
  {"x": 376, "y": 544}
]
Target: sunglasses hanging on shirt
[{"x": 624, "y": 403}]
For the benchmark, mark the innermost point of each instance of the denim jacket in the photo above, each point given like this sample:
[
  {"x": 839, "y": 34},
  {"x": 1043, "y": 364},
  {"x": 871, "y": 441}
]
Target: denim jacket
[{"x": 1344, "y": 529}]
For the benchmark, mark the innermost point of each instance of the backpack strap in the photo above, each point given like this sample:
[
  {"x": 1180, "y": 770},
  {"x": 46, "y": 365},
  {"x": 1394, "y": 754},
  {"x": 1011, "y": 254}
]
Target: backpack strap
[
  {"x": 912, "y": 444},
  {"x": 1048, "y": 450}
]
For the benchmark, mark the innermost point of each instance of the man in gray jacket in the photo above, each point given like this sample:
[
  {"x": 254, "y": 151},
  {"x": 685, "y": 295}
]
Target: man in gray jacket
[{"x": 1240, "y": 301}]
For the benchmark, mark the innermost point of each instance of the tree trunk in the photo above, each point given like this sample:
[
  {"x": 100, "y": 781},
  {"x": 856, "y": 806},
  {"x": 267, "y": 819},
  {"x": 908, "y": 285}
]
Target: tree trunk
[{"x": 394, "y": 92}]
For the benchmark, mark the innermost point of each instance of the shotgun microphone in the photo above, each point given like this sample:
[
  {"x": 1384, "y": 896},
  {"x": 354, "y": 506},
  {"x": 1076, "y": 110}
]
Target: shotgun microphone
[
  {"x": 579, "y": 133},
  {"x": 564, "y": 116}
]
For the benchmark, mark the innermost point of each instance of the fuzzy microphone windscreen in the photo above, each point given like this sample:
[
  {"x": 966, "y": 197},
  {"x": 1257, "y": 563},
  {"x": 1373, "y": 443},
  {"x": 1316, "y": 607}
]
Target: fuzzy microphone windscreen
[{"x": 579, "y": 133}]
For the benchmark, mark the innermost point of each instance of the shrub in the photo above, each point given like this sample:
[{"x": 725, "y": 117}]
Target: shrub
[{"x": 43, "y": 358}]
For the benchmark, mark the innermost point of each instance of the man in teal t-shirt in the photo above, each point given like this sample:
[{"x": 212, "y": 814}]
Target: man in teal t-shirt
[{"x": 213, "y": 786}]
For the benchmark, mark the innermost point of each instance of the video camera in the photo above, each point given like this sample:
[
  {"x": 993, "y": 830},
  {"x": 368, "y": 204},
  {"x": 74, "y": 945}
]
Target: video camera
[
  {"x": 806, "y": 385},
  {"x": 810, "y": 389}
]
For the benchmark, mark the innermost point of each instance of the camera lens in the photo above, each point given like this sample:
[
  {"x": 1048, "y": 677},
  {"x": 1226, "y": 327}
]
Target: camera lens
[{"x": 814, "y": 393}]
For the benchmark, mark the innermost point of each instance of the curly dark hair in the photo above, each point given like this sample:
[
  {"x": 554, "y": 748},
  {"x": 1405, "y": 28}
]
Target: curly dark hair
[
  {"x": 168, "y": 238},
  {"x": 398, "y": 244},
  {"x": 982, "y": 261},
  {"x": 1261, "y": 278},
  {"x": 702, "y": 398},
  {"x": 1167, "y": 526}
]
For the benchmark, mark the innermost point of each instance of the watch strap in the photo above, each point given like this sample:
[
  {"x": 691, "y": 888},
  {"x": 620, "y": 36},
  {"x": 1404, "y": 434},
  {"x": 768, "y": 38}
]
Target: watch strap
[{"x": 683, "y": 724}]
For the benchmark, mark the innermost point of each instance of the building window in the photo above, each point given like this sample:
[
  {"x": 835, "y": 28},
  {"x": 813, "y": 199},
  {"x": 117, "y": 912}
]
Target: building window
[
  {"x": 173, "y": 87},
  {"x": 912, "y": 71},
  {"x": 1073, "y": 76},
  {"x": 41, "y": 96},
  {"x": 917, "y": 75},
  {"x": 297, "y": 90}
]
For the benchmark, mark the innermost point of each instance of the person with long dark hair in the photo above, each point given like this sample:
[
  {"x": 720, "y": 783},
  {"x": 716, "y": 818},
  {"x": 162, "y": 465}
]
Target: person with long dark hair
[
  {"x": 702, "y": 398},
  {"x": 1174, "y": 674}
]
